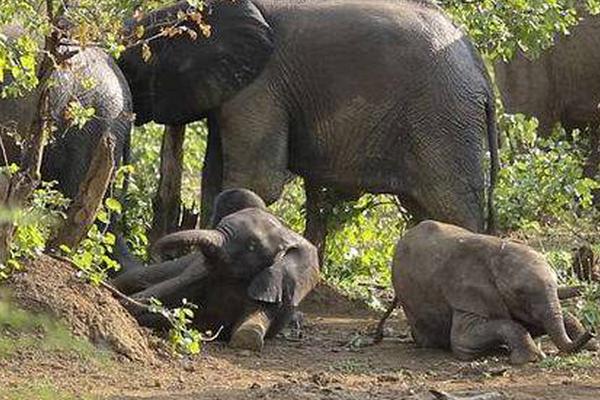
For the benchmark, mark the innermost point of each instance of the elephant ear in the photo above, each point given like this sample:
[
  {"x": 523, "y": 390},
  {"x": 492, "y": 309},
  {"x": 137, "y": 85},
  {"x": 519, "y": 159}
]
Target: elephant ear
[
  {"x": 289, "y": 279},
  {"x": 219, "y": 50}
]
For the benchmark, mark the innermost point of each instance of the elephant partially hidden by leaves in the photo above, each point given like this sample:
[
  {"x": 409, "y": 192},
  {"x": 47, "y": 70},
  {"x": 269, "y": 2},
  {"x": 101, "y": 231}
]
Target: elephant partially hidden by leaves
[
  {"x": 561, "y": 85},
  {"x": 90, "y": 79},
  {"x": 474, "y": 293},
  {"x": 248, "y": 274}
]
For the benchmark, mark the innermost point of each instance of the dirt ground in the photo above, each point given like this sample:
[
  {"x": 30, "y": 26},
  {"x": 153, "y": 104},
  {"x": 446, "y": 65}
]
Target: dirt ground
[{"x": 331, "y": 360}]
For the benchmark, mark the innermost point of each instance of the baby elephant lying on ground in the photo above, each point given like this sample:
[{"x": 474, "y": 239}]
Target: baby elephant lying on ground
[
  {"x": 476, "y": 293},
  {"x": 247, "y": 274}
]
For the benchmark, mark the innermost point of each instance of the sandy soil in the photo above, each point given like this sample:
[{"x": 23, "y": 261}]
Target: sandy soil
[{"x": 332, "y": 360}]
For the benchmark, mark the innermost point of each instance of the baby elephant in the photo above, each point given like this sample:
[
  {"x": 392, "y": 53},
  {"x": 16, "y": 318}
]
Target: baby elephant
[
  {"x": 247, "y": 274},
  {"x": 475, "y": 293}
]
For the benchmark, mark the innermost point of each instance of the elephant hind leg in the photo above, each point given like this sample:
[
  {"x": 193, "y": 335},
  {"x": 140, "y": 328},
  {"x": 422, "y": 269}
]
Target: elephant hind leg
[{"x": 473, "y": 336}]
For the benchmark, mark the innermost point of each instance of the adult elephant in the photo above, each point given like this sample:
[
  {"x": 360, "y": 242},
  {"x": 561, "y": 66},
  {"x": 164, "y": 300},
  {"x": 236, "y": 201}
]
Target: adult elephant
[
  {"x": 92, "y": 79},
  {"x": 383, "y": 96},
  {"x": 562, "y": 85}
]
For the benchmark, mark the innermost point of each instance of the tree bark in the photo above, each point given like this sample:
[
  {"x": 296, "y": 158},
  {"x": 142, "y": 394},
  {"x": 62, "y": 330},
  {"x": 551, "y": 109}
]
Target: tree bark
[
  {"x": 317, "y": 212},
  {"x": 82, "y": 212},
  {"x": 167, "y": 202},
  {"x": 16, "y": 189},
  {"x": 212, "y": 172}
]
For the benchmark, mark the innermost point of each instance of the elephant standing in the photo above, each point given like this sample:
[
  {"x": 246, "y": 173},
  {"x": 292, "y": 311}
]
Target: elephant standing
[
  {"x": 383, "y": 96},
  {"x": 562, "y": 85},
  {"x": 474, "y": 293},
  {"x": 94, "y": 80},
  {"x": 248, "y": 276}
]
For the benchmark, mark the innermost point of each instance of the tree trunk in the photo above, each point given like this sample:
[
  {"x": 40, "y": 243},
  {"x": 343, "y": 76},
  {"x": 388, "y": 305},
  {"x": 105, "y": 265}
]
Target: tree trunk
[
  {"x": 317, "y": 211},
  {"x": 592, "y": 164},
  {"x": 16, "y": 189},
  {"x": 167, "y": 202},
  {"x": 82, "y": 212},
  {"x": 212, "y": 172}
]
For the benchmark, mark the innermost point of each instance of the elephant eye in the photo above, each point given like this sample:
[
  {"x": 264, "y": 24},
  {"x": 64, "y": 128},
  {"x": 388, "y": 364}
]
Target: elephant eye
[{"x": 251, "y": 246}]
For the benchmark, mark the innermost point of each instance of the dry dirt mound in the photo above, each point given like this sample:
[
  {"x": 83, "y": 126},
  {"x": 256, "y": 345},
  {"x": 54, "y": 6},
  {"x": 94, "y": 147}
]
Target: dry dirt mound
[
  {"x": 50, "y": 286},
  {"x": 327, "y": 300}
]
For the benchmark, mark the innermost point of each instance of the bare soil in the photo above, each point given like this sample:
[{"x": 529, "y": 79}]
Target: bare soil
[
  {"x": 51, "y": 286},
  {"x": 333, "y": 359}
]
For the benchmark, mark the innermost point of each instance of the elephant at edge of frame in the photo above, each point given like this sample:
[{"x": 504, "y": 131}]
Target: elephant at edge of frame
[
  {"x": 94, "y": 80},
  {"x": 380, "y": 96},
  {"x": 474, "y": 293},
  {"x": 562, "y": 85},
  {"x": 248, "y": 273}
]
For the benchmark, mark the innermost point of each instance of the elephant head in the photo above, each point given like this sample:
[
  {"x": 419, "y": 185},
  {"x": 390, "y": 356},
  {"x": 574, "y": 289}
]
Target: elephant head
[
  {"x": 251, "y": 244},
  {"x": 232, "y": 200},
  {"x": 529, "y": 288},
  {"x": 199, "y": 69}
]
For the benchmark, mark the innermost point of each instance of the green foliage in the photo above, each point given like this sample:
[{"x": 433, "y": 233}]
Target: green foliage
[
  {"x": 196, "y": 135},
  {"x": 541, "y": 181},
  {"x": 360, "y": 252},
  {"x": 34, "y": 226},
  {"x": 183, "y": 338},
  {"x": 573, "y": 361},
  {"x": 41, "y": 390},
  {"x": 499, "y": 28},
  {"x": 144, "y": 175},
  {"x": 92, "y": 255},
  {"x": 290, "y": 207},
  {"x": 361, "y": 239}
]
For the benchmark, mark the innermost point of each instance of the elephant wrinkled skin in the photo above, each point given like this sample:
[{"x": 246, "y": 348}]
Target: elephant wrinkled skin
[
  {"x": 474, "y": 293},
  {"x": 381, "y": 96},
  {"x": 248, "y": 274}
]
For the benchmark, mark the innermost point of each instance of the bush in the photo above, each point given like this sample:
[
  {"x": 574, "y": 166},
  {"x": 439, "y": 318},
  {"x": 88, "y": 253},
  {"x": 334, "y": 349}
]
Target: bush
[{"x": 541, "y": 181}]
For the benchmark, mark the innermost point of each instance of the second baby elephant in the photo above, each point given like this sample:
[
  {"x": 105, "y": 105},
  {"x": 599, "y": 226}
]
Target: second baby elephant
[
  {"x": 475, "y": 293},
  {"x": 247, "y": 274}
]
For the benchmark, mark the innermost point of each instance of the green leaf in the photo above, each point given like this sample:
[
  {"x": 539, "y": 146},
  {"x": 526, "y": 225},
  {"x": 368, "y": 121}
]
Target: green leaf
[{"x": 113, "y": 205}]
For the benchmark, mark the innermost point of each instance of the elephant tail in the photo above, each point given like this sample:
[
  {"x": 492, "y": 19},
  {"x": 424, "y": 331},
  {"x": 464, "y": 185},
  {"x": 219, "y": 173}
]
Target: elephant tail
[
  {"x": 492, "y": 137},
  {"x": 378, "y": 336}
]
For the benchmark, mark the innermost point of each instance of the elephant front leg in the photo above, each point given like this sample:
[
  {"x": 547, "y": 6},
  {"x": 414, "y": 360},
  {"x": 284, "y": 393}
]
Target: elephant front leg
[
  {"x": 253, "y": 128},
  {"x": 473, "y": 336},
  {"x": 251, "y": 331}
]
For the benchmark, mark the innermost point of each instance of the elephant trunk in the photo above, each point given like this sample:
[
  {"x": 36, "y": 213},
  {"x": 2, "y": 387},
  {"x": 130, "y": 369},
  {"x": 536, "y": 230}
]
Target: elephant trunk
[
  {"x": 209, "y": 242},
  {"x": 555, "y": 327}
]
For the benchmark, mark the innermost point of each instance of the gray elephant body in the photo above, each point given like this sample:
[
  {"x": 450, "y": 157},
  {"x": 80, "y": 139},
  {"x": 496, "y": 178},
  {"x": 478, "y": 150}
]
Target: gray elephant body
[
  {"x": 562, "y": 85},
  {"x": 248, "y": 276},
  {"x": 474, "y": 293},
  {"x": 355, "y": 96},
  {"x": 94, "y": 79}
]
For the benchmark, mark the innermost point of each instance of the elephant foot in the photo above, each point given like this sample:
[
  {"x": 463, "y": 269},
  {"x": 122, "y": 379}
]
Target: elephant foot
[
  {"x": 250, "y": 334},
  {"x": 525, "y": 356},
  {"x": 248, "y": 338}
]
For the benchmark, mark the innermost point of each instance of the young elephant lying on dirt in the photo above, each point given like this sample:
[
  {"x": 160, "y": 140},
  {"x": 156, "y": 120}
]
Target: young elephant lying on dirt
[
  {"x": 247, "y": 274},
  {"x": 476, "y": 293}
]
